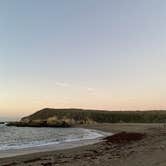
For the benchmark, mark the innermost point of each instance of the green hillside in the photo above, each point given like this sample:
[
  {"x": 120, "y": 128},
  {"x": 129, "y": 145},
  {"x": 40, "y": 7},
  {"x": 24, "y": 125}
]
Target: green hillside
[{"x": 81, "y": 116}]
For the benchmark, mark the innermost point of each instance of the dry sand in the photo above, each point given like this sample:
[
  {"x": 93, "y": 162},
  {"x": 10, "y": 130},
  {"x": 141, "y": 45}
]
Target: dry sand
[{"x": 150, "y": 151}]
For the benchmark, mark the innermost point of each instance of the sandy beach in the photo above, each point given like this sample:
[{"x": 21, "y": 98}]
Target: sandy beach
[{"x": 149, "y": 151}]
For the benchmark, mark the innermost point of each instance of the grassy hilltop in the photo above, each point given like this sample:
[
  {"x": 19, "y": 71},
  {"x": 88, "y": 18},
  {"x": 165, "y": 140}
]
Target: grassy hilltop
[{"x": 99, "y": 116}]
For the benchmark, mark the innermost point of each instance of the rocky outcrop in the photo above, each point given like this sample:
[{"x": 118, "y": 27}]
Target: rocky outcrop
[
  {"x": 39, "y": 123},
  {"x": 50, "y": 122},
  {"x": 54, "y": 118}
]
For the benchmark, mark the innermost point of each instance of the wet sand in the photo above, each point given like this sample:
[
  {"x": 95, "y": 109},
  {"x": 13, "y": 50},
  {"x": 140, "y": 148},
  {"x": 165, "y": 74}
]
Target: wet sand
[{"x": 150, "y": 151}]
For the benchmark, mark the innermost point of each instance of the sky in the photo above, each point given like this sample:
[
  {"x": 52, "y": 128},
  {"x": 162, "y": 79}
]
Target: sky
[{"x": 92, "y": 54}]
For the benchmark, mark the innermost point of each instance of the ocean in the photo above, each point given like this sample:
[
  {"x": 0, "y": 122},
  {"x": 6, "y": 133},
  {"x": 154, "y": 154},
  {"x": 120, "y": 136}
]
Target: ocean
[{"x": 26, "y": 137}]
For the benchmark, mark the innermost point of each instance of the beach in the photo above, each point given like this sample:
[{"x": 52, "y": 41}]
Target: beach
[{"x": 149, "y": 151}]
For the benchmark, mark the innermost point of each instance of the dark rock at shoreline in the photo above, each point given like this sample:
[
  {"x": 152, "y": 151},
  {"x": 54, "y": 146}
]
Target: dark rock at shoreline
[
  {"x": 124, "y": 137},
  {"x": 38, "y": 124}
]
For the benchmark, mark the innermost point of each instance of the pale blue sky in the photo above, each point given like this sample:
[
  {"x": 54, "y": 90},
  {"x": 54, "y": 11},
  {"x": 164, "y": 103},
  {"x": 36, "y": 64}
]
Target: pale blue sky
[{"x": 104, "y": 54}]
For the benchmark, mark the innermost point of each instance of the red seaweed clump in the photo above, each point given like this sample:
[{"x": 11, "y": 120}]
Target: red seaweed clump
[{"x": 124, "y": 137}]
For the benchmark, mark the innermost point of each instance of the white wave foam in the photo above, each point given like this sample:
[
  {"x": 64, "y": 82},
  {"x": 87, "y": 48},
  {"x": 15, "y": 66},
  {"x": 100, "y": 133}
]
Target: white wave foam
[{"x": 87, "y": 135}]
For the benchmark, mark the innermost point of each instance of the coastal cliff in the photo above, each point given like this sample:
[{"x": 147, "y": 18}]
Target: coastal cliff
[
  {"x": 49, "y": 117},
  {"x": 53, "y": 118}
]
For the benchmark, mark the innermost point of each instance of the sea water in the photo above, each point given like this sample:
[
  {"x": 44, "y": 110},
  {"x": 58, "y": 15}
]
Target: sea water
[{"x": 27, "y": 137}]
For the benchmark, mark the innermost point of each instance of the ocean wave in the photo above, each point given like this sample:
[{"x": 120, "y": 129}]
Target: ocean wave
[{"x": 27, "y": 138}]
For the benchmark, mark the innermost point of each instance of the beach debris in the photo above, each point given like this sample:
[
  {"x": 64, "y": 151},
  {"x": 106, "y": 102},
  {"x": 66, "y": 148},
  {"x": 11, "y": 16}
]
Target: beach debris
[{"x": 124, "y": 137}]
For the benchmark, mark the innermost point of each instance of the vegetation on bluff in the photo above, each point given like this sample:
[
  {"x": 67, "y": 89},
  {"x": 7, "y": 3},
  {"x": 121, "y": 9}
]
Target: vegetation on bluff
[
  {"x": 68, "y": 117},
  {"x": 81, "y": 116}
]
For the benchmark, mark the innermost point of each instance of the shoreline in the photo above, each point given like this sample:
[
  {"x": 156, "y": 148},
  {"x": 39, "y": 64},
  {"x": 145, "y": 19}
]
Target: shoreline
[
  {"x": 46, "y": 148},
  {"x": 53, "y": 146},
  {"x": 149, "y": 151}
]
